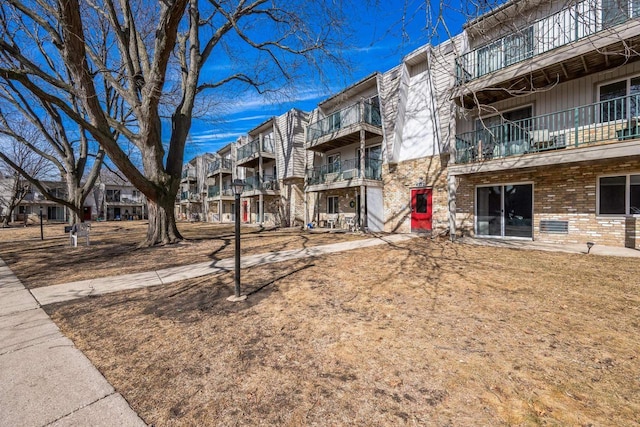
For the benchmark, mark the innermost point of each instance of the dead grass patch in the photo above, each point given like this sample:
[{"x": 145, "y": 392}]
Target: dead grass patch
[
  {"x": 114, "y": 249},
  {"x": 421, "y": 332}
]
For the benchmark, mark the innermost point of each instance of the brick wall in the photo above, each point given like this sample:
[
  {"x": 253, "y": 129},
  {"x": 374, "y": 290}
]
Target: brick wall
[
  {"x": 398, "y": 181},
  {"x": 562, "y": 192}
]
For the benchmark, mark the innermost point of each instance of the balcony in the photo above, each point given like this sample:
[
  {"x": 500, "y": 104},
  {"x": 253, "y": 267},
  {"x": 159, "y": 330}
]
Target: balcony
[
  {"x": 223, "y": 166},
  {"x": 345, "y": 173},
  {"x": 578, "y": 40},
  {"x": 189, "y": 196},
  {"x": 268, "y": 184},
  {"x": 611, "y": 127},
  {"x": 249, "y": 154},
  {"x": 188, "y": 175},
  {"x": 343, "y": 127},
  {"x": 214, "y": 192}
]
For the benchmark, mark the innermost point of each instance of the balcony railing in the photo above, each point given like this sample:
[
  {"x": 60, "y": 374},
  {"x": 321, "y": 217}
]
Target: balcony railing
[
  {"x": 188, "y": 173},
  {"x": 215, "y": 191},
  {"x": 364, "y": 112},
  {"x": 254, "y": 147},
  {"x": 344, "y": 171},
  {"x": 218, "y": 165},
  {"x": 559, "y": 29},
  {"x": 190, "y": 196},
  {"x": 266, "y": 182},
  {"x": 608, "y": 121}
]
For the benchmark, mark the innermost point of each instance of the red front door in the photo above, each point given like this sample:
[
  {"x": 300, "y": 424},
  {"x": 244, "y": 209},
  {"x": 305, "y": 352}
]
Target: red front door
[
  {"x": 421, "y": 209},
  {"x": 245, "y": 212}
]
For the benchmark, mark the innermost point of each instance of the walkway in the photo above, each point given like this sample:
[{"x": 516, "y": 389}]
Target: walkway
[
  {"x": 46, "y": 381},
  {"x": 73, "y": 290}
]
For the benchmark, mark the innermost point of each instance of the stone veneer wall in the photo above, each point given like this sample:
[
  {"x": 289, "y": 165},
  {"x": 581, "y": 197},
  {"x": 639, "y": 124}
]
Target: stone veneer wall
[
  {"x": 399, "y": 179},
  {"x": 561, "y": 192},
  {"x": 345, "y": 197}
]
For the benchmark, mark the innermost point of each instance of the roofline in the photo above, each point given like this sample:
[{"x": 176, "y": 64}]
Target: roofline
[
  {"x": 371, "y": 76},
  {"x": 261, "y": 125}
]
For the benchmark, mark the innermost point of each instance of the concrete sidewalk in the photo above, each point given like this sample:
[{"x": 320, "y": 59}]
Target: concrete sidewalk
[
  {"x": 572, "y": 248},
  {"x": 80, "y": 289},
  {"x": 44, "y": 379}
]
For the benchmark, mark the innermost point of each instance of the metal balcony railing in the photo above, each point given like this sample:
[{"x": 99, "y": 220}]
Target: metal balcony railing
[
  {"x": 218, "y": 165},
  {"x": 254, "y": 147},
  {"x": 215, "y": 191},
  {"x": 266, "y": 182},
  {"x": 188, "y": 173},
  {"x": 362, "y": 112},
  {"x": 189, "y": 195},
  {"x": 608, "y": 121},
  {"x": 344, "y": 171},
  {"x": 570, "y": 24}
]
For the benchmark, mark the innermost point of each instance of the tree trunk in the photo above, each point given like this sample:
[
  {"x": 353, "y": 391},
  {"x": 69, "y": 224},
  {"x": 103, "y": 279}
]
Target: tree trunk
[{"x": 162, "y": 223}]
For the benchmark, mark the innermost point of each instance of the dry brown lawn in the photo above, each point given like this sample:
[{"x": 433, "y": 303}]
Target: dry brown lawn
[
  {"x": 417, "y": 333},
  {"x": 114, "y": 249}
]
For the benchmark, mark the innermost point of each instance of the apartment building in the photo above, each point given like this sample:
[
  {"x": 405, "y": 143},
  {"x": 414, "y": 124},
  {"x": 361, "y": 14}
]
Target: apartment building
[
  {"x": 220, "y": 176},
  {"x": 116, "y": 199},
  {"x": 272, "y": 159},
  {"x": 191, "y": 203},
  {"x": 344, "y": 143},
  {"x": 34, "y": 203},
  {"x": 547, "y": 142}
]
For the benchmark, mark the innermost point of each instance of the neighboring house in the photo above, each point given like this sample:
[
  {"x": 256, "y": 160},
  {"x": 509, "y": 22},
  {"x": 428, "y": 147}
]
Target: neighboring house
[
  {"x": 344, "y": 158},
  {"x": 34, "y": 202},
  {"x": 116, "y": 199},
  {"x": 191, "y": 198},
  {"x": 273, "y": 162},
  {"x": 220, "y": 176},
  {"x": 548, "y": 136}
]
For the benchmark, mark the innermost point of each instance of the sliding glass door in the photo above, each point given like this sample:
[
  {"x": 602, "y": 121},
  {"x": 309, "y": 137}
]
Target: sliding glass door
[{"x": 505, "y": 211}]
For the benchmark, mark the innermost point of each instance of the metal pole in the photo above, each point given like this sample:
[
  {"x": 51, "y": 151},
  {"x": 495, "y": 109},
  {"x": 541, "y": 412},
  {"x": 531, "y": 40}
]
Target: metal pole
[
  {"x": 41, "y": 230},
  {"x": 237, "y": 275}
]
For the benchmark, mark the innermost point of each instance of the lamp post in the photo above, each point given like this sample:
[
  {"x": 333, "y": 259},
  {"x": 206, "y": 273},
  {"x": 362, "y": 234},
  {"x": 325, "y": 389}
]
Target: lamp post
[
  {"x": 238, "y": 186},
  {"x": 41, "y": 230}
]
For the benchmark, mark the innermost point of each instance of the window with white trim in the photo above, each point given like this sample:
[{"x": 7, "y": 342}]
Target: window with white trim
[
  {"x": 332, "y": 205},
  {"x": 619, "y": 195},
  {"x": 619, "y": 99}
]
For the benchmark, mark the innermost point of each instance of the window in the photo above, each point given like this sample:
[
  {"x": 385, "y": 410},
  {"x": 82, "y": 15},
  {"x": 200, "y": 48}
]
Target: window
[
  {"x": 333, "y": 163},
  {"x": 332, "y": 205},
  {"x": 614, "y": 105},
  {"x": 334, "y": 121},
  {"x": 113, "y": 196},
  {"x": 615, "y": 12},
  {"x": 519, "y": 46},
  {"x": 619, "y": 195}
]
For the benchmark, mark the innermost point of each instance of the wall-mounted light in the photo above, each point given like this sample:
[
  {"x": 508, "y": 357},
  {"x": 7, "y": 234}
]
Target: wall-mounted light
[{"x": 420, "y": 182}]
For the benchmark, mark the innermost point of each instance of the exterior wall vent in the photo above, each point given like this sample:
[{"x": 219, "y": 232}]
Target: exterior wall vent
[{"x": 554, "y": 227}]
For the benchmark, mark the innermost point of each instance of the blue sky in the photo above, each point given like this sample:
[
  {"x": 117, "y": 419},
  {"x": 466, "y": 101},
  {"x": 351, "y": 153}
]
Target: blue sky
[{"x": 385, "y": 33}]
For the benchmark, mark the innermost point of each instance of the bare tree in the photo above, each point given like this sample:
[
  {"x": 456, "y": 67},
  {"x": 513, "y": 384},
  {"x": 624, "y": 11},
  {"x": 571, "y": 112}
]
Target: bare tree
[
  {"x": 13, "y": 185},
  {"x": 154, "y": 56},
  {"x": 44, "y": 134}
]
